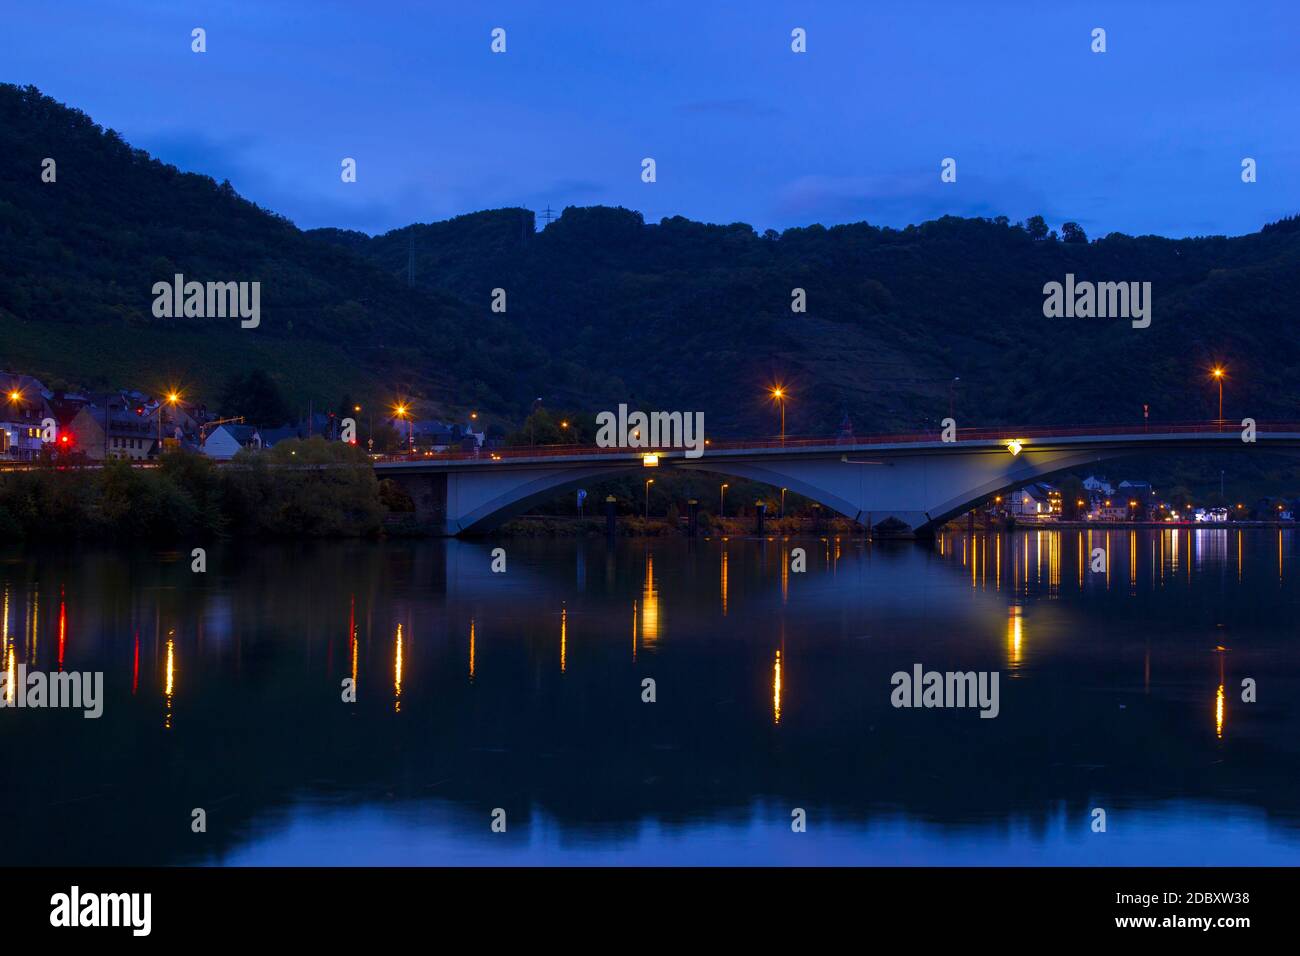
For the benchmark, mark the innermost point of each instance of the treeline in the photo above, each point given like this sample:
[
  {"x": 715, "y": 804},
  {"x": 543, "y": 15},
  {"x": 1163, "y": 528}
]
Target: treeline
[{"x": 311, "y": 488}]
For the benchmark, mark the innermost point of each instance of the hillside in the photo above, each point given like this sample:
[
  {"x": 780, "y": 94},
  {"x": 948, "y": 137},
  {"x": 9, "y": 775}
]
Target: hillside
[
  {"x": 81, "y": 256},
  {"x": 603, "y": 307},
  {"x": 687, "y": 315}
]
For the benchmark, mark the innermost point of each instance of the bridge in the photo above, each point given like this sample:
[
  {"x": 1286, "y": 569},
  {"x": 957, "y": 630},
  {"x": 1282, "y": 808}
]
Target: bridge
[{"x": 913, "y": 478}]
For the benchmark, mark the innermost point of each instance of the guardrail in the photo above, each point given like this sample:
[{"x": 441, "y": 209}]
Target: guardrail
[{"x": 900, "y": 438}]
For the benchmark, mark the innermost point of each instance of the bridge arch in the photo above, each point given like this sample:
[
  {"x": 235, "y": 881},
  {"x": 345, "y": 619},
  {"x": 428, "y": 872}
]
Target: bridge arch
[{"x": 921, "y": 483}]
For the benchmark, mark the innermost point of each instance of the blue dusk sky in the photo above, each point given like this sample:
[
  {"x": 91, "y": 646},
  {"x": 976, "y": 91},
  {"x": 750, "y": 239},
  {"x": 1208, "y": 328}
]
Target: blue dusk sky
[{"x": 1145, "y": 138}]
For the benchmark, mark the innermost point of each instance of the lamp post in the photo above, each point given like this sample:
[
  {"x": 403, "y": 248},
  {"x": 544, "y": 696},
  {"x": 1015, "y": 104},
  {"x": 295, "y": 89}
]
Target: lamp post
[
  {"x": 1216, "y": 373},
  {"x": 779, "y": 396},
  {"x": 402, "y": 412},
  {"x": 648, "y": 483},
  {"x": 172, "y": 399},
  {"x": 952, "y": 401},
  {"x": 722, "y": 508},
  {"x": 782, "y": 502}
]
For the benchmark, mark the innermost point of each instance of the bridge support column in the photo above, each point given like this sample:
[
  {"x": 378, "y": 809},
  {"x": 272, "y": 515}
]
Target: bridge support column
[{"x": 429, "y": 493}]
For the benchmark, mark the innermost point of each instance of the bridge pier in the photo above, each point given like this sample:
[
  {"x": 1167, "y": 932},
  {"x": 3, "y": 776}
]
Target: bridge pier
[{"x": 428, "y": 490}]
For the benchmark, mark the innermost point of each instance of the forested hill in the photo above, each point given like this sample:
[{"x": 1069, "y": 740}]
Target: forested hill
[
  {"x": 602, "y": 307},
  {"x": 692, "y": 316},
  {"x": 81, "y": 255}
]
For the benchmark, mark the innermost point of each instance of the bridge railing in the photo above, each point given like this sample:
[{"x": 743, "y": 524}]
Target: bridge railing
[{"x": 999, "y": 433}]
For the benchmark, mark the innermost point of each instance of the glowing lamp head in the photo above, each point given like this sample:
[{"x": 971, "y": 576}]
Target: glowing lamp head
[
  {"x": 15, "y": 395},
  {"x": 1015, "y": 447},
  {"x": 650, "y": 461}
]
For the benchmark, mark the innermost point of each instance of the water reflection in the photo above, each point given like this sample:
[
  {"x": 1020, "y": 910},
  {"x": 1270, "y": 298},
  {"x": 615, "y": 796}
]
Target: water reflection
[{"x": 773, "y": 692}]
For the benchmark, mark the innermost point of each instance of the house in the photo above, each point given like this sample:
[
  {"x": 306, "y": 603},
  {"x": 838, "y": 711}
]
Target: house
[
  {"x": 20, "y": 438},
  {"x": 1108, "y": 509},
  {"x": 101, "y": 433},
  {"x": 1035, "y": 501},
  {"x": 226, "y": 441},
  {"x": 273, "y": 436},
  {"x": 1099, "y": 485}
]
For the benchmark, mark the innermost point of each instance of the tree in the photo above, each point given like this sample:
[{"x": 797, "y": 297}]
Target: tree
[
  {"x": 257, "y": 397},
  {"x": 1073, "y": 232},
  {"x": 1072, "y": 492},
  {"x": 1036, "y": 226}
]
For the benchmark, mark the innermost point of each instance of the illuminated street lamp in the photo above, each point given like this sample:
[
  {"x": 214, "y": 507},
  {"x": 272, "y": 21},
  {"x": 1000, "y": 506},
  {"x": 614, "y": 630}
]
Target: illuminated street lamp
[
  {"x": 722, "y": 509},
  {"x": 779, "y": 395},
  {"x": 172, "y": 399},
  {"x": 401, "y": 411},
  {"x": 1216, "y": 373},
  {"x": 648, "y": 483}
]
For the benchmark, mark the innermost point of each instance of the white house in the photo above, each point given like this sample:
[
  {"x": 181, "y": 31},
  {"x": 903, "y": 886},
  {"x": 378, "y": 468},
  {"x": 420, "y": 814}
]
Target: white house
[
  {"x": 1033, "y": 501},
  {"x": 226, "y": 441},
  {"x": 1099, "y": 485}
]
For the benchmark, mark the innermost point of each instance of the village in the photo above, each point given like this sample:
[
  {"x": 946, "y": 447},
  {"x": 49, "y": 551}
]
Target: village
[{"x": 38, "y": 423}]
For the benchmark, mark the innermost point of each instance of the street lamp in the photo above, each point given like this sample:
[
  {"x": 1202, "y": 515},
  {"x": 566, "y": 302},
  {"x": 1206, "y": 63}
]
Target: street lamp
[
  {"x": 1216, "y": 373},
  {"x": 951, "y": 400},
  {"x": 783, "y": 502},
  {"x": 722, "y": 509},
  {"x": 779, "y": 395},
  {"x": 648, "y": 483},
  {"x": 172, "y": 399},
  {"x": 401, "y": 412}
]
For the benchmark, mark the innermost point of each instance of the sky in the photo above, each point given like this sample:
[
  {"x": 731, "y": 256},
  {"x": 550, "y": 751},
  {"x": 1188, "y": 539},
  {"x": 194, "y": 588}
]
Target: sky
[{"x": 1147, "y": 137}]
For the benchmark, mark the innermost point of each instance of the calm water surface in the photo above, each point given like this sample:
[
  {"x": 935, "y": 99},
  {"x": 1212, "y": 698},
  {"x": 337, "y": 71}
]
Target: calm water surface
[{"x": 522, "y": 691}]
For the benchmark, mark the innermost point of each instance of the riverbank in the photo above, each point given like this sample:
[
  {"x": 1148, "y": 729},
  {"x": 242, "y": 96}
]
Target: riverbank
[
  {"x": 962, "y": 524},
  {"x": 301, "y": 489},
  {"x": 552, "y": 526}
]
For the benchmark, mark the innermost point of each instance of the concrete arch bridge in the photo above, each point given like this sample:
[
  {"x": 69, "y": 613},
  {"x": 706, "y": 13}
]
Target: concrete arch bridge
[{"x": 916, "y": 479}]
